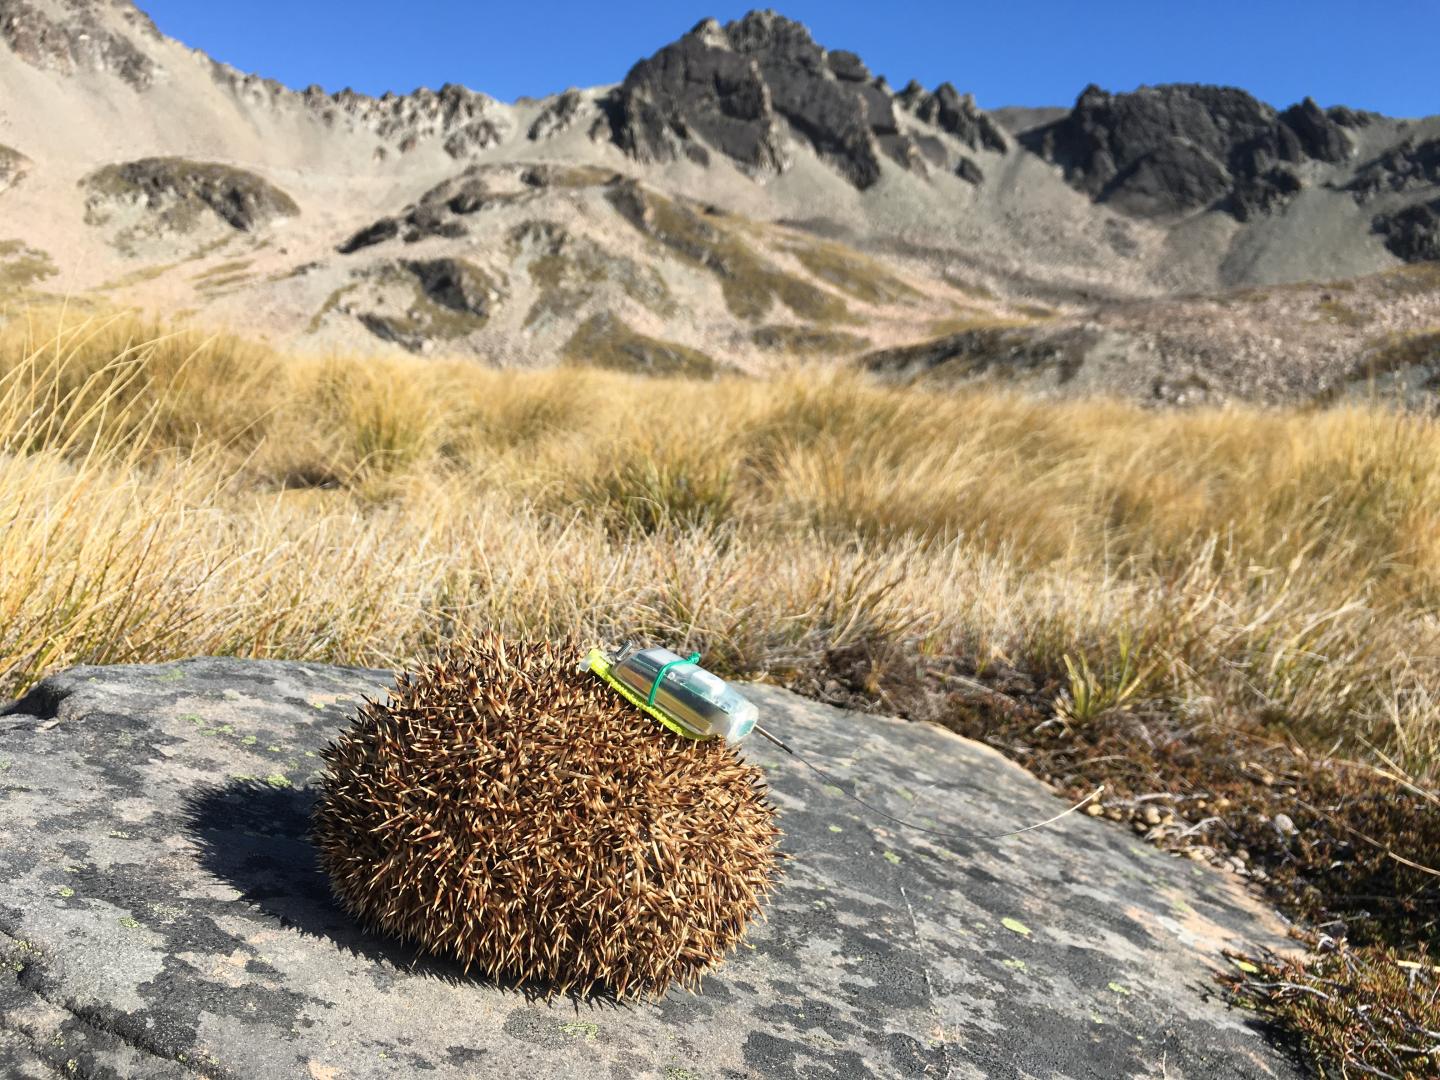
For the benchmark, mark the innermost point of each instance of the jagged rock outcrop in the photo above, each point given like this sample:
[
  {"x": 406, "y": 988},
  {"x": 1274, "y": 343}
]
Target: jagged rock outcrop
[
  {"x": 13, "y": 167},
  {"x": 163, "y": 914},
  {"x": 472, "y": 138},
  {"x": 693, "y": 96},
  {"x": 968, "y": 171},
  {"x": 1404, "y": 167},
  {"x": 441, "y": 211},
  {"x": 955, "y": 113},
  {"x": 1347, "y": 117},
  {"x": 419, "y": 303},
  {"x": 570, "y": 271},
  {"x": 176, "y": 194},
  {"x": 737, "y": 89},
  {"x": 464, "y": 121},
  {"x": 72, "y": 37},
  {"x": 558, "y": 116},
  {"x": 456, "y": 284},
  {"x": 1174, "y": 149},
  {"x": 1321, "y": 136},
  {"x": 1413, "y": 233},
  {"x": 455, "y": 113}
]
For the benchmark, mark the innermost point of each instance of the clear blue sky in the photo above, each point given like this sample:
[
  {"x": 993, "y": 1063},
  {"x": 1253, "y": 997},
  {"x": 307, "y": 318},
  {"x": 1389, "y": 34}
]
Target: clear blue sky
[{"x": 1011, "y": 52}]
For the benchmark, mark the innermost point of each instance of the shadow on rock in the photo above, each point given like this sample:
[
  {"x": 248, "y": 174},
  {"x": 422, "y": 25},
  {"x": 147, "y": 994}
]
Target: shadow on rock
[{"x": 256, "y": 838}]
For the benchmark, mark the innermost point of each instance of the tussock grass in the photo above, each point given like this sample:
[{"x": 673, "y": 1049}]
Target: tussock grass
[
  {"x": 1279, "y": 563},
  {"x": 1207, "y": 610}
]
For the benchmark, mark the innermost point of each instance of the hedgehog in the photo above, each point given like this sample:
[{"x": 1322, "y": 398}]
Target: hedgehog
[{"x": 507, "y": 811}]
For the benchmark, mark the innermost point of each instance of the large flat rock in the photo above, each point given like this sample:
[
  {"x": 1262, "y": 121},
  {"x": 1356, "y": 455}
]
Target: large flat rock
[{"x": 161, "y": 915}]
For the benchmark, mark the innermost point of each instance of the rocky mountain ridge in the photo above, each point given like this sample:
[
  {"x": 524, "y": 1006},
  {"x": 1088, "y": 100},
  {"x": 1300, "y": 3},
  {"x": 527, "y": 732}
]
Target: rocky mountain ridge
[{"x": 787, "y": 180}]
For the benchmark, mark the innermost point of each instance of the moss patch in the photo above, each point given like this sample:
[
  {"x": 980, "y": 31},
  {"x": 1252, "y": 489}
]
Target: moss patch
[
  {"x": 21, "y": 266},
  {"x": 852, "y": 273},
  {"x": 224, "y": 269},
  {"x": 605, "y": 341},
  {"x": 751, "y": 285},
  {"x": 962, "y": 321},
  {"x": 1399, "y": 352},
  {"x": 1333, "y": 311},
  {"x": 807, "y": 341},
  {"x": 568, "y": 271},
  {"x": 1373, "y": 1012},
  {"x": 1412, "y": 280},
  {"x": 969, "y": 288},
  {"x": 331, "y": 303},
  {"x": 139, "y": 276},
  {"x": 999, "y": 348}
]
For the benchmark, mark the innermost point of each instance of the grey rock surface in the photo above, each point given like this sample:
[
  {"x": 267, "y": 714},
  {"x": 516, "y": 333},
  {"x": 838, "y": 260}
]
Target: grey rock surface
[
  {"x": 1165, "y": 150},
  {"x": 161, "y": 915},
  {"x": 737, "y": 88},
  {"x": 957, "y": 113},
  {"x": 1412, "y": 233},
  {"x": 177, "y": 191},
  {"x": 1404, "y": 167}
]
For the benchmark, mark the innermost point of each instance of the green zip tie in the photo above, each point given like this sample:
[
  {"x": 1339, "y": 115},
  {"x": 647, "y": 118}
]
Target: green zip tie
[{"x": 655, "y": 686}]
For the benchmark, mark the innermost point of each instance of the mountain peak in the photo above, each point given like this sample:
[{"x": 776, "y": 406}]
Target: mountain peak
[
  {"x": 751, "y": 88},
  {"x": 81, "y": 35}
]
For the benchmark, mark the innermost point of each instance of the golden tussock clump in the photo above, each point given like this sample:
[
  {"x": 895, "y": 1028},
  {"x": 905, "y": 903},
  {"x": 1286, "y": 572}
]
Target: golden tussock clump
[{"x": 508, "y": 811}]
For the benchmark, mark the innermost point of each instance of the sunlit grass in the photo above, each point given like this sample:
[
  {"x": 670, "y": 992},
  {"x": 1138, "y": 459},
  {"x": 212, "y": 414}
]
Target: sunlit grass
[{"x": 165, "y": 493}]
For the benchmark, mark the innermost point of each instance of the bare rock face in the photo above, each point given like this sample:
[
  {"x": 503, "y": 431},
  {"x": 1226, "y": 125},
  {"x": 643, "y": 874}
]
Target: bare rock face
[
  {"x": 73, "y": 37},
  {"x": 556, "y": 117},
  {"x": 971, "y": 173},
  {"x": 1321, "y": 136},
  {"x": 418, "y": 303},
  {"x": 1403, "y": 167},
  {"x": 444, "y": 209},
  {"x": 737, "y": 89},
  {"x": 13, "y": 167},
  {"x": 956, "y": 113},
  {"x": 472, "y": 138},
  {"x": 457, "y": 285},
  {"x": 697, "y": 94},
  {"x": 1347, "y": 117},
  {"x": 1412, "y": 233},
  {"x": 177, "y": 195},
  {"x": 1168, "y": 150}
]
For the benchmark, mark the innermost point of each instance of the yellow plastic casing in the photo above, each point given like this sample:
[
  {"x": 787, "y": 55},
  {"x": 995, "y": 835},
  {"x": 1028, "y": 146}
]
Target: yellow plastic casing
[{"x": 600, "y": 665}]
